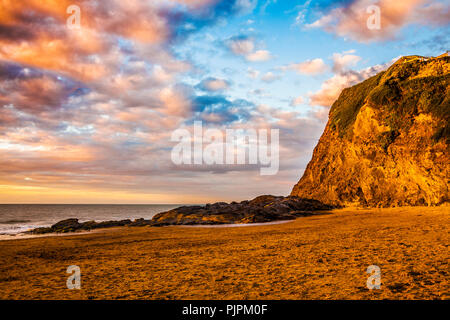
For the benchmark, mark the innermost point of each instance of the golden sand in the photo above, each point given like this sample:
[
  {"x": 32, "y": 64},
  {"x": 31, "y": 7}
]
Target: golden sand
[{"x": 319, "y": 257}]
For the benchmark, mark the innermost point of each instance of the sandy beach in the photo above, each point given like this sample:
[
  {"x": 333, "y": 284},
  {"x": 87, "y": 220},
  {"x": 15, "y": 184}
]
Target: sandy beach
[{"x": 318, "y": 257}]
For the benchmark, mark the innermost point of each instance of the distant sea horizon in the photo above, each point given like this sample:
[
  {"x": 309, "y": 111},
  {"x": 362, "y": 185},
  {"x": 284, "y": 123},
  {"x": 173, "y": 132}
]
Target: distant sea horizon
[{"x": 17, "y": 218}]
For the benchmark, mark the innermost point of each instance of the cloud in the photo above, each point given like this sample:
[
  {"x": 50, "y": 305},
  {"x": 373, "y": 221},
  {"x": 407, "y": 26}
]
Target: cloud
[
  {"x": 309, "y": 67},
  {"x": 320, "y": 113},
  {"x": 33, "y": 90},
  {"x": 213, "y": 84},
  {"x": 246, "y": 6},
  {"x": 297, "y": 101},
  {"x": 221, "y": 110},
  {"x": 176, "y": 100},
  {"x": 253, "y": 74},
  {"x": 434, "y": 13},
  {"x": 342, "y": 61},
  {"x": 332, "y": 87},
  {"x": 258, "y": 56},
  {"x": 259, "y": 92},
  {"x": 126, "y": 61},
  {"x": 349, "y": 19},
  {"x": 437, "y": 43},
  {"x": 241, "y": 45},
  {"x": 78, "y": 107},
  {"x": 35, "y": 33},
  {"x": 245, "y": 46},
  {"x": 270, "y": 77},
  {"x": 93, "y": 109}
]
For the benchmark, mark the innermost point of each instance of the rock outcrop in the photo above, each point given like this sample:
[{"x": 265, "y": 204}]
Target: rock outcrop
[
  {"x": 260, "y": 209},
  {"x": 387, "y": 140},
  {"x": 72, "y": 225}
]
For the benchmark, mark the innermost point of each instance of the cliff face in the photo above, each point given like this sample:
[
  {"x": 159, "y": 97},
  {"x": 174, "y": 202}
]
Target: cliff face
[{"x": 387, "y": 140}]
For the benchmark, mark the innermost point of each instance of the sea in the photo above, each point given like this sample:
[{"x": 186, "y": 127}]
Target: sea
[{"x": 17, "y": 218}]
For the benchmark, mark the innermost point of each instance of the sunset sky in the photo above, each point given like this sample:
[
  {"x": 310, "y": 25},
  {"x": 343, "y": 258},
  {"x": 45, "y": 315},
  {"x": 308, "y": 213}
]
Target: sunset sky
[{"x": 86, "y": 115}]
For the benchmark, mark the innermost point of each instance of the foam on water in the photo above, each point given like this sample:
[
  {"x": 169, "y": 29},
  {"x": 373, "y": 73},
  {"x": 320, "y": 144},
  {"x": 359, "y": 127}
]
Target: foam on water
[{"x": 17, "y": 218}]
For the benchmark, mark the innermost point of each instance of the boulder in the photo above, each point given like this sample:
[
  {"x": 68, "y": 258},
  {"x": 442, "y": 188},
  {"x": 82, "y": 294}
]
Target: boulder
[{"x": 261, "y": 209}]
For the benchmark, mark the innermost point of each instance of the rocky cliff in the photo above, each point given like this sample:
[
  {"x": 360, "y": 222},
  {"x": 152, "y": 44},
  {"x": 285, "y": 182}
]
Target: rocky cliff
[{"x": 387, "y": 139}]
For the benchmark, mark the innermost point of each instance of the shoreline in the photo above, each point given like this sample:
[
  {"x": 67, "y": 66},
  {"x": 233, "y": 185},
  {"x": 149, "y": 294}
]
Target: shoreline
[
  {"x": 23, "y": 235},
  {"x": 262, "y": 209}
]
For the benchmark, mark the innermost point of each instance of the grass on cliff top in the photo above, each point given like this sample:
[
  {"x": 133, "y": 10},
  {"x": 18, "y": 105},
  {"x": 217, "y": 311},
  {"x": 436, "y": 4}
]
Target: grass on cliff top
[
  {"x": 344, "y": 111},
  {"x": 400, "y": 97}
]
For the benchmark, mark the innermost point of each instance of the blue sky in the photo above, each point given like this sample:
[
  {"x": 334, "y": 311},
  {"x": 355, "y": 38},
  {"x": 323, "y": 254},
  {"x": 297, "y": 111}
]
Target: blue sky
[{"x": 275, "y": 29}]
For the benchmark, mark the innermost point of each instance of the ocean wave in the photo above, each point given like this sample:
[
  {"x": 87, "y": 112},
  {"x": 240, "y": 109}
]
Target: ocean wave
[
  {"x": 14, "y": 221},
  {"x": 15, "y": 229}
]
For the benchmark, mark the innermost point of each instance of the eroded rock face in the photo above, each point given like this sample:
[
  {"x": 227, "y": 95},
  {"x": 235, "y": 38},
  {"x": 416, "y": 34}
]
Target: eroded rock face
[{"x": 387, "y": 140}]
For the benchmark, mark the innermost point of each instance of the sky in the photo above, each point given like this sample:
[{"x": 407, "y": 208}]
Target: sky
[{"x": 89, "y": 102}]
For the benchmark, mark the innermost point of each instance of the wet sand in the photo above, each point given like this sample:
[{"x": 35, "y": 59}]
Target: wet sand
[
  {"x": 23, "y": 235},
  {"x": 317, "y": 257}
]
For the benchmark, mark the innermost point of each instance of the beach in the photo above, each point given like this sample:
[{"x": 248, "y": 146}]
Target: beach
[{"x": 316, "y": 257}]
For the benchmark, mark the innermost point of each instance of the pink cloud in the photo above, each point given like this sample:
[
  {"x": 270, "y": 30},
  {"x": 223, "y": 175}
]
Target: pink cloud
[
  {"x": 176, "y": 101},
  {"x": 351, "y": 20},
  {"x": 246, "y": 47},
  {"x": 309, "y": 67},
  {"x": 343, "y": 61},
  {"x": 258, "y": 56},
  {"x": 297, "y": 101},
  {"x": 332, "y": 87},
  {"x": 214, "y": 84}
]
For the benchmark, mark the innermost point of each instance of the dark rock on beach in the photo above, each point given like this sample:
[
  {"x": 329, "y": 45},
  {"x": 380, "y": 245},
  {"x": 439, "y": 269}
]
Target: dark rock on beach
[
  {"x": 261, "y": 209},
  {"x": 71, "y": 225}
]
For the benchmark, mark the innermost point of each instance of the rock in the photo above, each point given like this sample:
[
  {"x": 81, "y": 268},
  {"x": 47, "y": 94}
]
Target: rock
[
  {"x": 88, "y": 225},
  {"x": 140, "y": 222},
  {"x": 41, "y": 230},
  {"x": 72, "y": 225},
  {"x": 387, "y": 140},
  {"x": 66, "y": 224},
  {"x": 261, "y": 209},
  {"x": 110, "y": 224}
]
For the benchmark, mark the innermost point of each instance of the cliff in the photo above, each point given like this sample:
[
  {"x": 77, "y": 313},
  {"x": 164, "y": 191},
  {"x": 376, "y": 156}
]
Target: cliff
[{"x": 386, "y": 142}]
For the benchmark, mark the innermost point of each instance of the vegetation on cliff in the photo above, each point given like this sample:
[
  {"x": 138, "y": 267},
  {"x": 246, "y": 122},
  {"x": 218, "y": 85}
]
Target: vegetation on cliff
[{"x": 403, "y": 91}]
